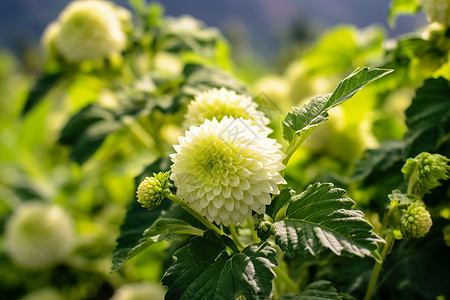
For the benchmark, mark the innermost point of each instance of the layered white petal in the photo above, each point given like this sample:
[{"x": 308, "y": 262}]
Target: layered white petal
[{"x": 226, "y": 169}]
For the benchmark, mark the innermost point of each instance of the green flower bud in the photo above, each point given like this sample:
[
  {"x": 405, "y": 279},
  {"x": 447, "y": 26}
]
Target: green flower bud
[
  {"x": 264, "y": 230},
  {"x": 152, "y": 190},
  {"x": 423, "y": 172},
  {"x": 416, "y": 221},
  {"x": 446, "y": 233}
]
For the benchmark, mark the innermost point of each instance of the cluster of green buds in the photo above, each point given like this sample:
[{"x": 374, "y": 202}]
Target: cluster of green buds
[
  {"x": 152, "y": 190},
  {"x": 423, "y": 172},
  {"x": 264, "y": 229}
]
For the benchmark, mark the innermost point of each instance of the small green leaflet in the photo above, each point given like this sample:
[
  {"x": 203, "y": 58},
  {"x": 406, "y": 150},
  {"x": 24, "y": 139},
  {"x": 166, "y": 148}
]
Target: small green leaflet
[
  {"x": 318, "y": 290},
  {"x": 204, "y": 270},
  {"x": 306, "y": 118},
  {"x": 322, "y": 218}
]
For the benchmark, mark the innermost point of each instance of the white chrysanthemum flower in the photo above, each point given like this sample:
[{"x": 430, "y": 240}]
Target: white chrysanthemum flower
[
  {"x": 226, "y": 169},
  {"x": 90, "y": 30},
  {"x": 217, "y": 103},
  {"x": 140, "y": 291},
  {"x": 39, "y": 235},
  {"x": 48, "y": 38},
  {"x": 43, "y": 294},
  {"x": 437, "y": 10}
]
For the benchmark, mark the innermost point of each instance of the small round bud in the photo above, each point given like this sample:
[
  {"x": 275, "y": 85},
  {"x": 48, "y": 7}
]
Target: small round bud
[
  {"x": 39, "y": 235},
  {"x": 416, "y": 221},
  {"x": 264, "y": 230},
  {"x": 152, "y": 190},
  {"x": 446, "y": 233},
  {"x": 424, "y": 171}
]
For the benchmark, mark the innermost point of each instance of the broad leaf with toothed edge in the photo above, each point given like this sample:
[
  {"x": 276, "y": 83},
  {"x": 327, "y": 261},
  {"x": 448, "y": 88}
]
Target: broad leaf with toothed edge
[
  {"x": 304, "y": 119},
  {"x": 203, "y": 269},
  {"x": 323, "y": 218}
]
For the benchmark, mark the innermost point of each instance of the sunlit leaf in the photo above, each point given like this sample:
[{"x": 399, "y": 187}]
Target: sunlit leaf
[
  {"x": 314, "y": 113},
  {"x": 322, "y": 218}
]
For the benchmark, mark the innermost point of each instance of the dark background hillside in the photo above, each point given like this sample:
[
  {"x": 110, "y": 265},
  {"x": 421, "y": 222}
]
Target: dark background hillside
[{"x": 263, "y": 24}]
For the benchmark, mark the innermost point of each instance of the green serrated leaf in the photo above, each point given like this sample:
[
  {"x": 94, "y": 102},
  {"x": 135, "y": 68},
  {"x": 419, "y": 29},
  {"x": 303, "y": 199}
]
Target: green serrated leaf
[
  {"x": 87, "y": 130},
  {"x": 204, "y": 270},
  {"x": 348, "y": 87},
  {"x": 170, "y": 229},
  {"x": 40, "y": 89},
  {"x": 279, "y": 202},
  {"x": 322, "y": 218},
  {"x": 318, "y": 290},
  {"x": 428, "y": 117},
  {"x": 304, "y": 119},
  {"x": 379, "y": 161},
  {"x": 308, "y": 116}
]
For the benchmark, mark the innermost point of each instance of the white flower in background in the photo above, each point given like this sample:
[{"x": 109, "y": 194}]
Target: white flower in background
[
  {"x": 43, "y": 294},
  {"x": 39, "y": 235},
  {"x": 437, "y": 10},
  {"x": 90, "y": 30},
  {"x": 226, "y": 169},
  {"x": 140, "y": 291},
  {"x": 217, "y": 103}
]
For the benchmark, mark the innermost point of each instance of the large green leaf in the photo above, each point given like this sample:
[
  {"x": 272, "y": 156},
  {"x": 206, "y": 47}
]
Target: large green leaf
[
  {"x": 87, "y": 130},
  {"x": 428, "y": 121},
  {"x": 318, "y": 290},
  {"x": 306, "y": 118},
  {"x": 428, "y": 117},
  {"x": 131, "y": 240},
  {"x": 203, "y": 269},
  {"x": 40, "y": 89},
  {"x": 322, "y": 218}
]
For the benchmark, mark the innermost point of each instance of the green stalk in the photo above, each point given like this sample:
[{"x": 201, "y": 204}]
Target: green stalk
[
  {"x": 195, "y": 214},
  {"x": 377, "y": 269},
  {"x": 235, "y": 237},
  {"x": 295, "y": 144},
  {"x": 284, "y": 277}
]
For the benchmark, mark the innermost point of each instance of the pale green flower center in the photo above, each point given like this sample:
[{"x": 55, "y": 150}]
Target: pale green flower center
[{"x": 213, "y": 162}]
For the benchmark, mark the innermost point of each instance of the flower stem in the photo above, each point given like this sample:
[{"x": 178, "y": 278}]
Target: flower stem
[
  {"x": 284, "y": 277},
  {"x": 195, "y": 214},
  {"x": 295, "y": 144},
  {"x": 377, "y": 268},
  {"x": 235, "y": 237}
]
